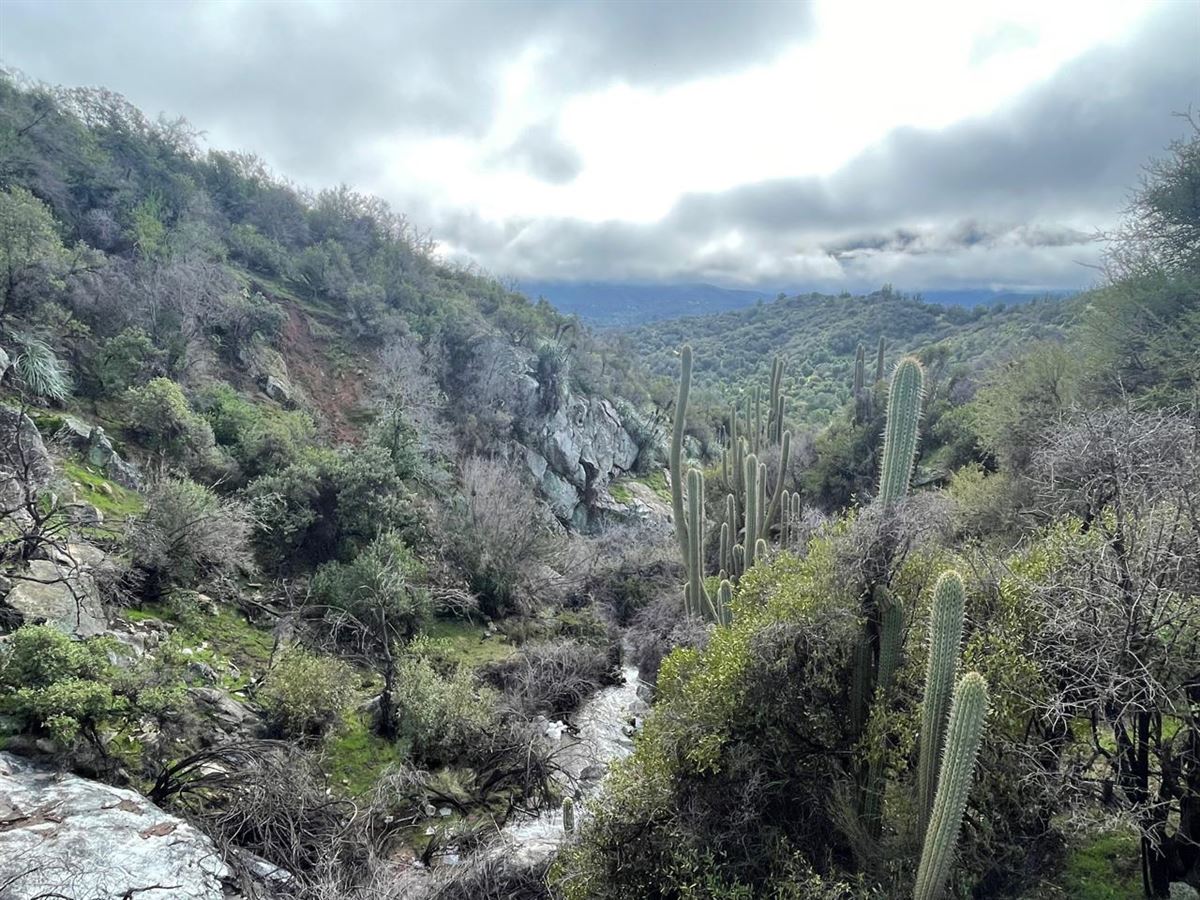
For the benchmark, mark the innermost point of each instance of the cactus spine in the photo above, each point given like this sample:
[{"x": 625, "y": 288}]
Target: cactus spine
[
  {"x": 968, "y": 712},
  {"x": 945, "y": 641},
  {"x": 900, "y": 433}
]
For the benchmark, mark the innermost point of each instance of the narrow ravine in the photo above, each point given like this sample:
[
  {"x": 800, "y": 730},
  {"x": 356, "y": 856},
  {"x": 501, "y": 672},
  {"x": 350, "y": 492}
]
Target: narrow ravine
[
  {"x": 605, "y": 725},
  {"x": 602, "y": 732}
]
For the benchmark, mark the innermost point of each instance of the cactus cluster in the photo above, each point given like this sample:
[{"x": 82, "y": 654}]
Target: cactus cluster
[{"x": 751, "y": 515}]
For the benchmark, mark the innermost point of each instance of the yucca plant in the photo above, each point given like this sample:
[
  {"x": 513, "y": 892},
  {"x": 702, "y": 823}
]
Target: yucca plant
[{"x": 38, "y": 370}]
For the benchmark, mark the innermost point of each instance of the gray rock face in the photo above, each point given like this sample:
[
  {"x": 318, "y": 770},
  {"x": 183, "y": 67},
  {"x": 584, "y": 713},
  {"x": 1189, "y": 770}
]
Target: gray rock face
[
  {"x": 5, "y": 363},
  {"x": 277, "y": 390},
  {"x": 68, "y": 836},
  {"x": 58, "y": 593},
  {"x": 575, "y": 452},
  {"x": 95, "y": 446},
  {"x": 25, "y": 464}
]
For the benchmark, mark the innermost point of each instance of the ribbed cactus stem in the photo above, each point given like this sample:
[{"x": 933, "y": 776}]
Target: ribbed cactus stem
[
  {"x": 945, "y": 643},
  {"x": 900, "y": 433},
  {"x": 860, "y": 369},
  {"x": 891, "y": 636},
  {"x": 784, "y": 458},
  {"x": 752, "y": 514},
  {"x": 725, "y": 546},
  {"x": 700, "y": 603},
  {"x": 879, "y": 359},
  {"x": 725, "y": 602},
  {"x": 760, "y": 550},
  {"x": 739, "y": 560},
  {"x": 568, "y": 815},
  {"x": 968, "y": 715},
  {"x": 675, "y": 456}
]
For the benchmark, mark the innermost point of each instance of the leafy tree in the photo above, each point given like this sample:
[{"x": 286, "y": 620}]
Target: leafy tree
[
  {"x": 161, "y": 419},
  {"x": 376, "y": 601},
  {"x": 33, "y": 259}
]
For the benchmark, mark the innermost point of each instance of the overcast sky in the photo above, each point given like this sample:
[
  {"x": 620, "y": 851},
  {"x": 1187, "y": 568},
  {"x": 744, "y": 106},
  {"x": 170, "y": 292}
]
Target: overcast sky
[{"x": 824, "y": 145}]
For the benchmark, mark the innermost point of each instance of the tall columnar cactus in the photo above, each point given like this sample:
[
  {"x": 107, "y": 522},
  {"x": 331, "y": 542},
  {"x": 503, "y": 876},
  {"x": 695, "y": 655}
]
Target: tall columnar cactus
[
  {"x": 945, "y": 642},
  {"x": 860, "y": 369},
  {"x": 725, "y": 560},
  {"x": 698, "y": 601},
  {"x": 891, "y": 650},
  {"x": 725, "y": 602},
  {"x": 752, "y": 513},
  {"x": 900, "y": 434},
  {"x": 879, "y": 359},
  {"x": 785, "y": 455},
  {"x": 968, "y": 714},
  {"x": 568, "y": 815},
  {"x": 675, "y": 456}
]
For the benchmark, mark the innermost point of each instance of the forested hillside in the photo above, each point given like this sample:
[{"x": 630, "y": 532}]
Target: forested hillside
[
  {"x": 332, "y": 571},
  {"x": 818, "y": 334}
]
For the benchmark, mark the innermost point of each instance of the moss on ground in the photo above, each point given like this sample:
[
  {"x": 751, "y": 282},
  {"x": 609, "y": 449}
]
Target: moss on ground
[
  {"x": 620, "y": 492},
  {"x": 657, "y": 482},
  {"x": 355, "y": 757},
  {"x": 115, "y": 502},
  {"x": 1103, "y": 867},
  {"x": 466, "y": 643}
]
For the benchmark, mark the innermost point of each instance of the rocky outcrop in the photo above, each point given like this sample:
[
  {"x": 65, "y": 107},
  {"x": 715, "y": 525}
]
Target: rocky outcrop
[
  {"x": 574, "y": 451},
  {"x": 66, "y": 836},
  {"x": 96, "y": 448},
  {"x": 25, "y": 464},
  {"x": 61, "y": 592},
  {"x": 5, "y": 363}
]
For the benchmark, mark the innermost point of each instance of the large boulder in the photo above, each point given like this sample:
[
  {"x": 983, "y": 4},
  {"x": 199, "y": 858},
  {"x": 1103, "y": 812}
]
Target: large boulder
[
  {"x": 96, "y": 447},
  {"x": 25, "y": 464},
  {"x": 61, "y": 593},
  {"x": 66, "y": 836}
]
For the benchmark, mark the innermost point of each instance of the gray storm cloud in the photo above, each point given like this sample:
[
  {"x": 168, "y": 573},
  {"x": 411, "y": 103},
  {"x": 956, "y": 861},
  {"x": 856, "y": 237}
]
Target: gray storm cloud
[{"x": 1011, "y": 197}]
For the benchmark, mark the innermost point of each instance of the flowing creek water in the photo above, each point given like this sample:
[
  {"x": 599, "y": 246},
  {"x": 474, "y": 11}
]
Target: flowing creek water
[
  {"x": 604, "y": 726},
  {"x": 601, "y": 732}
]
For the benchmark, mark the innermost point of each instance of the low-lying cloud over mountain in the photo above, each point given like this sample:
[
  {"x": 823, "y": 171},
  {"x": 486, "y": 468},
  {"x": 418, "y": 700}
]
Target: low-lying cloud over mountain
[{"x": 759, "y": 144}]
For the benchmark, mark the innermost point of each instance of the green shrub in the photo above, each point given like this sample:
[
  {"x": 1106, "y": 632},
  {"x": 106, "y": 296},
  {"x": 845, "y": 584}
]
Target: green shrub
[
  {"x": 187, "y": 534},
  {"x": 328, "y": 505},
  {"x": 70, "y": 690},
  {"x": 379, "y": 589},
  {"x": 261, "y": 439},
  {"x": 122, "y": 359},
  {"x": 163, "y": 422},
  {"x": 304, "y": 694},
  {"x": 445, "y": 713}
]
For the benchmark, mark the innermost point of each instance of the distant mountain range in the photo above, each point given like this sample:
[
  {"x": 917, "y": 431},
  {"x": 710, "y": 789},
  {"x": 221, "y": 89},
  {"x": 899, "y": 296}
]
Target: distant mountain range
[{"x": 610, "y": 304}]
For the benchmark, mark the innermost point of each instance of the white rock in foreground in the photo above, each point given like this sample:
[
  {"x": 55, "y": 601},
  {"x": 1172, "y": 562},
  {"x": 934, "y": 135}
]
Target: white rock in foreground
[{"x": 67, "y": 836}]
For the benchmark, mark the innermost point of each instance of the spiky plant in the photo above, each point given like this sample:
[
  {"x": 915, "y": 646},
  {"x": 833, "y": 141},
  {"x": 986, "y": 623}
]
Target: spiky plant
[
  {"x": 905, "y": 396},
  {"x": 945, "y": 642},
  {"x": 38, "y": 370},
  {"x": 968, "y": 714}
]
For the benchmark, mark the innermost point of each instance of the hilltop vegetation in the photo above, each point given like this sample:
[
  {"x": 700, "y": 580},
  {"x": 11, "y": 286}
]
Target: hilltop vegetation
[{"x": 817, "y": 334}]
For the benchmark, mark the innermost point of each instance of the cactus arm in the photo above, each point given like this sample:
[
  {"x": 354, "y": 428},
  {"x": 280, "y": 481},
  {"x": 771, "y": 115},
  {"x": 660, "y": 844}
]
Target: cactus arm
[
  {"x": 784, "y": 458},
  {"x": 968, "y": 715},
  {"x": 945, "y": 642},
  {"x": 900, "y": 433},
  {"x": 675, "y": 457}
]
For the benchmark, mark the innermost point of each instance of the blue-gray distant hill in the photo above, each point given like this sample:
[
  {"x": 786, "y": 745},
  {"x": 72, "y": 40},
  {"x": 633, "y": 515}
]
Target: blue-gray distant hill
[{"x": 612, "y": 304}]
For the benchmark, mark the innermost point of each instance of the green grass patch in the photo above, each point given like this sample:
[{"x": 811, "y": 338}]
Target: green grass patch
[
  {"x": 356, "y": 756},
  {"x": 620, "y": 492},
  {"x": 219, "y": 639},
  {"x": 657, "y": 482},
  {"x": 114, "y": 501},
  {"x": 466, "y": 643},
  {"x": 1104, "y": 867}
]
